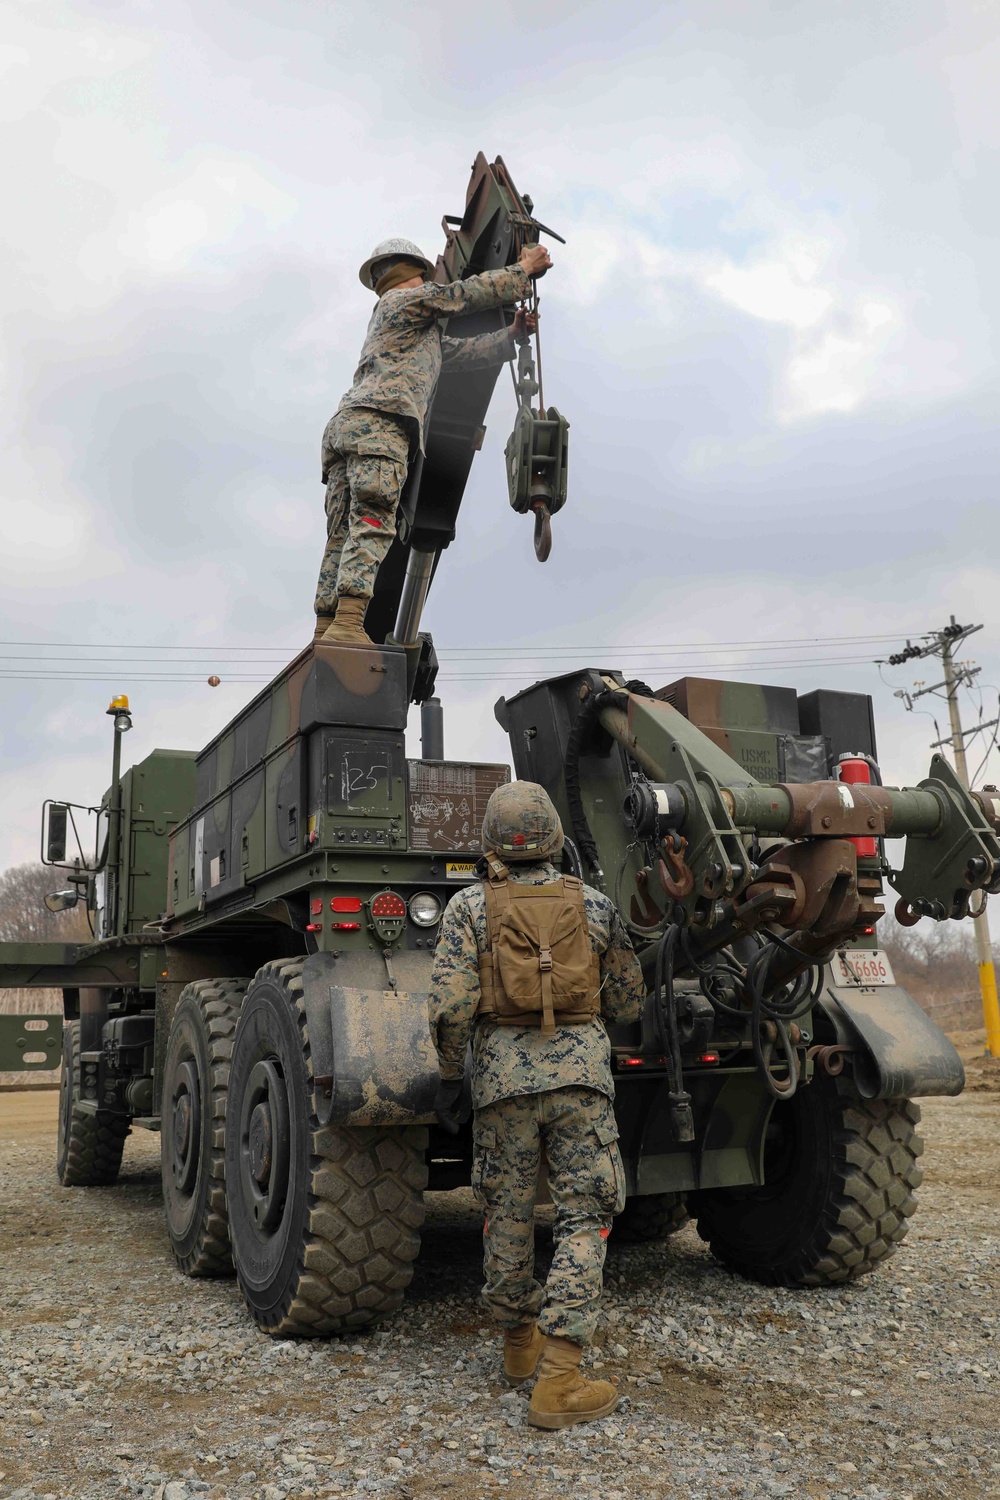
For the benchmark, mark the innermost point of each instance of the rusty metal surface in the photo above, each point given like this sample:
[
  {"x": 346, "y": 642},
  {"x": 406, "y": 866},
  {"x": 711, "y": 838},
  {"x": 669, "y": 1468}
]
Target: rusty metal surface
[{"x": 832, "y": 810}]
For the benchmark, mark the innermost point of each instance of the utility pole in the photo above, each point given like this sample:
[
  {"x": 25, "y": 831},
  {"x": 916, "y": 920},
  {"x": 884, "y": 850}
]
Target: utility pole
[{"x": 942, "y": 643}]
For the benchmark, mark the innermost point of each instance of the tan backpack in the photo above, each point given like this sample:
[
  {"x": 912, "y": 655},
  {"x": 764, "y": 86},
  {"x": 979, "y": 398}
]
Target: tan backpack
[{"x": 539, "y": 968}]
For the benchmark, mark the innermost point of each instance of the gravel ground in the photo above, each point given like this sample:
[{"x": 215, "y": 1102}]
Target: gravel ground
[{"x": 118, "y": 1378}]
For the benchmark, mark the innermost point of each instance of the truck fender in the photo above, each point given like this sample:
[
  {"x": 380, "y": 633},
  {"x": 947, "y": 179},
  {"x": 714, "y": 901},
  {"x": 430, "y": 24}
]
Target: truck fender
[
  {"x": 373, "y": 1056},
  {"x": 899, "y": 1053}
]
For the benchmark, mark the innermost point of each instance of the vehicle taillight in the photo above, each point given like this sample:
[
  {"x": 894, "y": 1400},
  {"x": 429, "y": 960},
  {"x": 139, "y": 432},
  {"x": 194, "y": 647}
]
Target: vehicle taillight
[
  {"x": 854, "y": 771},
  {"x": 388, "y": 904}
]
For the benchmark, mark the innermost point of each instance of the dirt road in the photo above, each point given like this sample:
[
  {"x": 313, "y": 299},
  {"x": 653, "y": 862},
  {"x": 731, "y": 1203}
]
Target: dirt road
[{"x": 119, "y": 1378}]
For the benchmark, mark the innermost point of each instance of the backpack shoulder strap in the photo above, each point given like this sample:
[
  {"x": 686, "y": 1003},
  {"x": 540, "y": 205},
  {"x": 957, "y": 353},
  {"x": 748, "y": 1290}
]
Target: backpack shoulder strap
[{"x": 497, "y": 898}]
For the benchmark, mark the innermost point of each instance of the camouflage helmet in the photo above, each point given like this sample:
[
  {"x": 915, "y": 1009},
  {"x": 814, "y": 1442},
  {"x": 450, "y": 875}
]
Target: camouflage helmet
[
  {"x": 393, "y": 250},
  {"x": 520, "y": 822}
]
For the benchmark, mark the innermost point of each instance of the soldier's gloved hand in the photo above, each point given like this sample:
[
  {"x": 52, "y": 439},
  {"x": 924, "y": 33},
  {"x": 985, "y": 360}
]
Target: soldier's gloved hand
[
  {"x": 535, "y": 259},
  {"x": 446, "y": 1103}
]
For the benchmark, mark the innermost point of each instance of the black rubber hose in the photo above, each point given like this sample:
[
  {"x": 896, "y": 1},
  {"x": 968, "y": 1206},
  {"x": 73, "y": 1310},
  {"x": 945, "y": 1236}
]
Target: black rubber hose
[{"x": 681, "y": 1117}]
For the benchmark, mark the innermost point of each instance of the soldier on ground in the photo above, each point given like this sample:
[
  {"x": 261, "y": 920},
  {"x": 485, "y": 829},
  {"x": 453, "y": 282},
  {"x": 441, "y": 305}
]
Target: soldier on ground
[
  {"x": 379, "y": 425},
  {"x": 529, "y": 966}
]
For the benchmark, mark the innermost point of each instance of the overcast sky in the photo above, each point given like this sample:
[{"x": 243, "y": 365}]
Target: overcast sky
[{"x": 772, "y": 329}]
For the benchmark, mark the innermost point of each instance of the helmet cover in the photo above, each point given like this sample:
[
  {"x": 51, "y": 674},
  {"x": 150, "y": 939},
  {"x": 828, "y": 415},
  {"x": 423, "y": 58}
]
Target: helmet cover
[{"x": 521, "y": 823}]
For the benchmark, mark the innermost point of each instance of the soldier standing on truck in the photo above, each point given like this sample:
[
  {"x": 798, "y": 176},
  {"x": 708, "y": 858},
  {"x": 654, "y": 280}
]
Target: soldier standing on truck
[
  {"x": 529, "y": 966},
  {"x": 379, "y": 425}
]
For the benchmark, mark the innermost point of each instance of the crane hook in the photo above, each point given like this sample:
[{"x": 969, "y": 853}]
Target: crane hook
[{"x": 543, "y": 530}]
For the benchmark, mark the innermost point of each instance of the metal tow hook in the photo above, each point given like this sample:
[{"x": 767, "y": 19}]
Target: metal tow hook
[
  {"x": 644, "y": 911},
  {"x": 543, "y": 530},
  {"x": 678, "y": 880}
]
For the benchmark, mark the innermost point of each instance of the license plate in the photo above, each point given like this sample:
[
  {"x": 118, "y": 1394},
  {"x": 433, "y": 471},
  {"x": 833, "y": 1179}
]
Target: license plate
[{"x": 862, "y": 967}]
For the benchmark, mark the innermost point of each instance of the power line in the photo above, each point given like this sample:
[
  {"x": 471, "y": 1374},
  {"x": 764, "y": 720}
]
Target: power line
[
  {"x": 126, "y": 671},
  {"x": 782, "y": 642}
]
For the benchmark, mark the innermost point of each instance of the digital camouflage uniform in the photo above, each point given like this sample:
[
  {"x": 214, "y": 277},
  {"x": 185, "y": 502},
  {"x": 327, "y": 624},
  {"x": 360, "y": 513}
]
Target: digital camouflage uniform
[
  {"x": 531, "y": 1094},
  {"x": 379, "y": 423}
]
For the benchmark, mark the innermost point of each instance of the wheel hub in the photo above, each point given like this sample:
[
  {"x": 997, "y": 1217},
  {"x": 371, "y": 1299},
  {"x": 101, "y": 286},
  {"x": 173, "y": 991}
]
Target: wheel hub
[
  {"x": 260, "y": 1144},
  {"x": 265, "y": 1144},
  {"x": 185, "y": 1126},
  {"x": 182, "y": 1126}
]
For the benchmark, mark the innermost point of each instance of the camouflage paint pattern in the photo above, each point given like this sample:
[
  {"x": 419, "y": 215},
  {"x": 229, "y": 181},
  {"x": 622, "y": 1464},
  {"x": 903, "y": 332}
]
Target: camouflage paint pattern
[
  {"x": 268, "y": 788},
  {"x": 515, "y": 1060},
  {"x": 404, "y": 347},
  {"x": 365, "y": 457},
  {"x": 521, "y": 823},
  {"x": 575, "y": 1127}
]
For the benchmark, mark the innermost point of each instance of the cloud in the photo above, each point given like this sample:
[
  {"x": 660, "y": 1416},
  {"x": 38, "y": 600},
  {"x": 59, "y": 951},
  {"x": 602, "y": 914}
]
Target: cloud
[
  {"x": 204, "y": 209},
  {"x": 770, "y": 328}
]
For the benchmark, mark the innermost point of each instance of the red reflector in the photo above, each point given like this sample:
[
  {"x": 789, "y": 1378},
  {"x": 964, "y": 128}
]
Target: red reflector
[
  {"x": 631, "y": 1062},
  {"x": 388, "y": 904},
  {"x": 314, "y": 926},
  {"x": 345, "y": 926},
  {"x": 345, "y": 903},
  {"x": 867, "y": 931},
  {"x": 316, "y": 905},
  {"x": 707, "y": 1057}
]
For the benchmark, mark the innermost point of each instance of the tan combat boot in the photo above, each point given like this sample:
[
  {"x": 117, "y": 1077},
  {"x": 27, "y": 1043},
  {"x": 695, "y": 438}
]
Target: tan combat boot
[
  {"x": 323, "y": 623},
  {"x": 522, "y": 1349},
  {"x": 561, "y": 1396},
  {"x": 349, "y": 626}
]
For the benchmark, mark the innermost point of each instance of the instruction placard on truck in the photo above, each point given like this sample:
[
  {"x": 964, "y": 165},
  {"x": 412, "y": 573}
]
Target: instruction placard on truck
[{"x": 446, "y": 803}]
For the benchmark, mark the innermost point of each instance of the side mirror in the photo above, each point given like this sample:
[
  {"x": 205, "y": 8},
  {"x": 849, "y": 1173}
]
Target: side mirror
[
  {"x": 56, "y": 816},
  {"x": 62, "y": 900}
]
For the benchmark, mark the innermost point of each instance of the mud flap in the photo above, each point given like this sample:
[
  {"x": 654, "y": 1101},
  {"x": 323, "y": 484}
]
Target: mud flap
[
  {"x": 374, "y": 1061},
  {"x": 899, "y": 1053}
]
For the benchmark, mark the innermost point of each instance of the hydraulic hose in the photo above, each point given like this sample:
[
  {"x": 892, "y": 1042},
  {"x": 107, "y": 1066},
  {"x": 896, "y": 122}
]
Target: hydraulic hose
[{"x": 681, "y": 1117}]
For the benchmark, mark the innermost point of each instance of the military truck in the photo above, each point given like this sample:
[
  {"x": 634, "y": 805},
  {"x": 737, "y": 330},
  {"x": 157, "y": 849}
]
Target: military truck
[{"x": 265, "y": 913}]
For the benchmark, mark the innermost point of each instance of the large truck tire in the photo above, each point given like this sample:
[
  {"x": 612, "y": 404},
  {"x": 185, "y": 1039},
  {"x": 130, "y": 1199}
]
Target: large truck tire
[
  {"x": 651, "y": 1217},
  {"x": 90, "y": 1146},
  {"x": 324, "y": 1220},
  {"x": 839, "y": 1179},
  {"x": 193, "y": 1124}
]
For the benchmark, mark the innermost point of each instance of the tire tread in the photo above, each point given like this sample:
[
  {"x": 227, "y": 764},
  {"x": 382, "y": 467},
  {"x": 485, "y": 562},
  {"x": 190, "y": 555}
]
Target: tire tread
[
  {"x": 96, "y": 1141},
  {"x": 219, "y": 1001},
  {"x": 356, "y": 1258},
  {"x": 865, "y": 1216}
]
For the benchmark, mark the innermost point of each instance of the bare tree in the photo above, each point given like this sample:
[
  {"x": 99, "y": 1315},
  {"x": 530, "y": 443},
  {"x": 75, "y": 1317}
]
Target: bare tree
[
  {"x": 24, "y": 918},
  {"x": 936, "y": 962}
]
